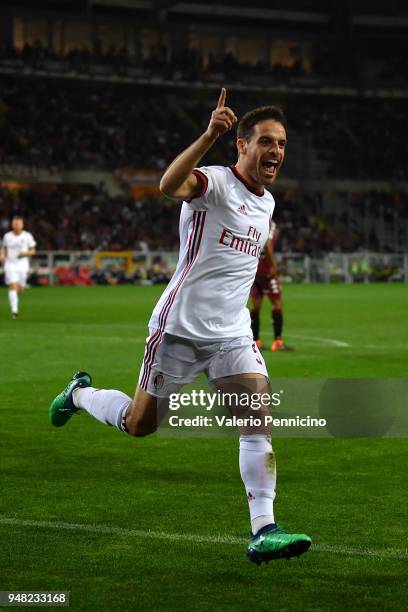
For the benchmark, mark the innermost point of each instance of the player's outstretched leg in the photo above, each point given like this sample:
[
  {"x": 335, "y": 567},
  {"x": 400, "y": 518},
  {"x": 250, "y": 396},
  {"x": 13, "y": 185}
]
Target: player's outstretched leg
[
  {"x": 62, "y": 407},
  {"x": 109, "y": 406}
]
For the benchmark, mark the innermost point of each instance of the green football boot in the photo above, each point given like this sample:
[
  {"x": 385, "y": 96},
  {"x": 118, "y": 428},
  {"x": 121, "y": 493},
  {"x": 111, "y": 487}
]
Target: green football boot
[
  {"x": 62, "y": 407},
  {"x": 272, "y": 542}
]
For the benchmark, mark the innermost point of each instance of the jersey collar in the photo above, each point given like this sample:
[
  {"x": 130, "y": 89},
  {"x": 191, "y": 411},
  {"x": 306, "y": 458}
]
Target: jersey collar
[{"x": 258, "y": 192}]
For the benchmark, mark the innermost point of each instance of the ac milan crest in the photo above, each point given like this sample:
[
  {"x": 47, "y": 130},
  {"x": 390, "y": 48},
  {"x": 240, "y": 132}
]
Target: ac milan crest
[{"x": 158, "y": 381}]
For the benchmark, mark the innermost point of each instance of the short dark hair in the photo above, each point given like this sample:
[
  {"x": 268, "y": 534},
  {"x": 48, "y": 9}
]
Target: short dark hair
[
  {"x": 17, "y": 217},
  {"x": 256, "y": 115}
]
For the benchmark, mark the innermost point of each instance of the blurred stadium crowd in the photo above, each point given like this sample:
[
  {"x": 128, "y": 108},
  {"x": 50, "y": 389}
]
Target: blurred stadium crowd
[
  {"x": 64, "y": 126},
  {"x": 87, "y": 218},
  {"x": 193, "y": 64},
  {"x": 110, "y": 97}
]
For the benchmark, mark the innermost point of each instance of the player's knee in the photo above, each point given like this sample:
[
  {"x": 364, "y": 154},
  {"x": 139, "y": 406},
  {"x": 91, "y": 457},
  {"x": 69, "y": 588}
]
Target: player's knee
[
  {"x": 140, "y": 430},
  {"x": 140, "y": 426},
  {"x": 141, "y": 418}
]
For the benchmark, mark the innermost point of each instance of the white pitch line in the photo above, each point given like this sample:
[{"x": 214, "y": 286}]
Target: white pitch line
[
  {"x": 341, "y": 343},
  {"x": 317, "y": 339},
  {"x": 192, "y": 538},
  {"x": 137, "y": 339}
]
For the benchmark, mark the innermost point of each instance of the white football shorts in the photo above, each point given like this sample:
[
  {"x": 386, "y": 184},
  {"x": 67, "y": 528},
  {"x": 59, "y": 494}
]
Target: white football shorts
[
  {"x": 170, "y": 362},
  {"x": 16, "y": 272}
]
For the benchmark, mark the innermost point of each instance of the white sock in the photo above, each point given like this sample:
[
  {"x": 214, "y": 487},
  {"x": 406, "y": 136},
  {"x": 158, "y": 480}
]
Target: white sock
[
  {"x": 13, "y": 300},
  {"x": 258, "y": 472},
  {"x": 107, "y": 405}
]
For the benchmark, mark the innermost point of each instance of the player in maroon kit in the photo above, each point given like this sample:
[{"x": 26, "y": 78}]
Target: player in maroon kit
[{"x": 267, "y": 282}]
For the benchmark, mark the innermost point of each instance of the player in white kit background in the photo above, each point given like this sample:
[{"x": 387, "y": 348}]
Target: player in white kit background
[
  {"x": 16, "y": 249},
  {"x": 201, "y": 322}
]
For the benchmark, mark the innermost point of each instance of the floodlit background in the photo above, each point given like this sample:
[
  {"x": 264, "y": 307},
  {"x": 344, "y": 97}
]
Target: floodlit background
[{"x": 96, "y": 98}]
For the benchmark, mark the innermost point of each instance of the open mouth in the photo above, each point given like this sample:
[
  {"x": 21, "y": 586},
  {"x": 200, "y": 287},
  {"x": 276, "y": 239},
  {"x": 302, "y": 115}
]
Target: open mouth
[{"x": 270, "y": 166}]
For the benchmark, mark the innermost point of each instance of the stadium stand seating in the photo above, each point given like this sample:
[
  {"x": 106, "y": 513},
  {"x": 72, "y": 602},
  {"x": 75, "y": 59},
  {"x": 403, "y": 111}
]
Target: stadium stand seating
[{"x": 86, "y": 217}]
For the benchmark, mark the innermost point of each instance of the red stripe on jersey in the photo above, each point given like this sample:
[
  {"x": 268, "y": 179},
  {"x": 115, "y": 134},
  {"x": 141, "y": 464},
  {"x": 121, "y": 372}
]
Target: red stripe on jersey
[
  {"x": 194, "y": 252},
  {"x": 150, "y": 352},
  {"x": 202, "y": 183},
  {"x": 155, "y": 340}
]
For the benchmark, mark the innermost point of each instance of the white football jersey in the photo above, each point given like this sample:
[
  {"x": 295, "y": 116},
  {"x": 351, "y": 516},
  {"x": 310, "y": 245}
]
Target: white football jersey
[
  {"x": 16, "y": 244},
  {"x": 222, "y": 234}
]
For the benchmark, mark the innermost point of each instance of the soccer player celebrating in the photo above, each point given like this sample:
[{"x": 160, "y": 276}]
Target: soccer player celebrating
[
  {"x": 267, "y": 282},
  {"x": 17, "y": 247},
  {"x": 201, "y": 323}
]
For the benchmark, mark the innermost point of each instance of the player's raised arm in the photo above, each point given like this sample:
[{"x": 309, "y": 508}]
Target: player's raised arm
[{"x": 178, "y": 181}]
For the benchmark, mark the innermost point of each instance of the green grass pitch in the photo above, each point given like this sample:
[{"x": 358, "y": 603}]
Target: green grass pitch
[{"x": 139, "y": 514}]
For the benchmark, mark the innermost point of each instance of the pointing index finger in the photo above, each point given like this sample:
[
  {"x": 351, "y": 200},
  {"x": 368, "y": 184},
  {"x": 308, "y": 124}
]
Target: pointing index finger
[{"x": 221, "y": 99}]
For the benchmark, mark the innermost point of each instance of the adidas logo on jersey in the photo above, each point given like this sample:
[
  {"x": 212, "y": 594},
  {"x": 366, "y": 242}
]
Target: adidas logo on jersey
[{"x": 242, "y": 209}]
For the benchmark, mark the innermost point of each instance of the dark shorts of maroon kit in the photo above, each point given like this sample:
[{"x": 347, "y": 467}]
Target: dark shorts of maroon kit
[{"x": 266, "y": 285}]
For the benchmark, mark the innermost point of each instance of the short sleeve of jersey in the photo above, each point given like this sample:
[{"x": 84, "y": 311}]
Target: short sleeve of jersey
[
  {"x": 30, "y": 241},
  {"x": 212, "y": 182}
]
